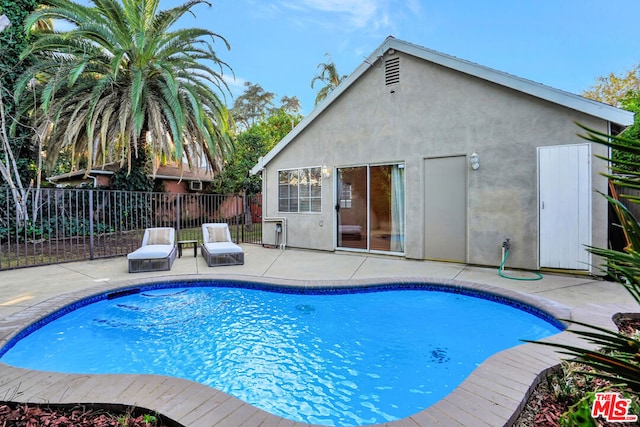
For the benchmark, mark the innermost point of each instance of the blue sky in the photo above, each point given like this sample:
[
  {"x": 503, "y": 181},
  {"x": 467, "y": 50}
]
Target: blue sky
[{"x": 565, "y": 44}]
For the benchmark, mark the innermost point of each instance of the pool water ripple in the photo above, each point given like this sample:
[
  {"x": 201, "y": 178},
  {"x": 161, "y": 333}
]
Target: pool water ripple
[{"x": 342, "y": 359}]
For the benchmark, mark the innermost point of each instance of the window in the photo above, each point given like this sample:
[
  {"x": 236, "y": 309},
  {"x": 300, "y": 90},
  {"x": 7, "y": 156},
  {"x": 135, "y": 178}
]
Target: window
[{"x": 299, "y": 190}]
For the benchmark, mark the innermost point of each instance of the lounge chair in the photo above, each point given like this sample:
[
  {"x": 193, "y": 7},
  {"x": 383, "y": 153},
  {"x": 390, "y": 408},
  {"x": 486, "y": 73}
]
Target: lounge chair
[
  {"x": 157, "y": 252},
  {"x": 217, "y": 247}
]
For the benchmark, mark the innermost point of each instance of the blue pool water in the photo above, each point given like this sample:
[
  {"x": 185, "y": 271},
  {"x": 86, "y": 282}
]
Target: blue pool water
[{"x": 334, "y": 358}]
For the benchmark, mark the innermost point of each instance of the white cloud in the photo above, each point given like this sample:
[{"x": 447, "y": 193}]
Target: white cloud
[
  {"x": 414, "y": 6},
  {"x": 236, "y": 84},
  {"x": 356, "y": 14},
  {"x": 359, "y": 13}
]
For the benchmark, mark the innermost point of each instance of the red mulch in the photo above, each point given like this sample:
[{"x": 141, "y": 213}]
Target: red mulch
[
  {"x": 543, "y": 409},
  {"x": 23, "y": 415}
]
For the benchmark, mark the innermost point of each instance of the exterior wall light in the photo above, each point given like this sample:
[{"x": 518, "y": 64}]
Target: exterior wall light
[
  {"x": 474, "y": 160},
  {"x": 4, "y": 23},
  {"x": 326, "y": 172}
]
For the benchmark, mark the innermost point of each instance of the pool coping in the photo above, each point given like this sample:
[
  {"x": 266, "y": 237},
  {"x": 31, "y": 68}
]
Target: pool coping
[{"x": 493, "y": 394}]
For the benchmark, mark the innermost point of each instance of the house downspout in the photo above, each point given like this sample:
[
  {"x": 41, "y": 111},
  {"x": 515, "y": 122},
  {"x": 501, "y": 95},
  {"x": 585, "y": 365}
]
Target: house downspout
[{"x": 609, "y": 150}]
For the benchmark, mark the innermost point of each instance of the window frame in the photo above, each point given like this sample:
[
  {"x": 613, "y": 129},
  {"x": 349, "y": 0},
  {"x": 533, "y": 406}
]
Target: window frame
[{"x": 303, "y": 190}]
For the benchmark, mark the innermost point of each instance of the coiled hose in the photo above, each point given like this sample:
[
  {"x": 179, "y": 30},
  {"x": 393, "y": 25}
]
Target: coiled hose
[{"x": 505, "y": 255}]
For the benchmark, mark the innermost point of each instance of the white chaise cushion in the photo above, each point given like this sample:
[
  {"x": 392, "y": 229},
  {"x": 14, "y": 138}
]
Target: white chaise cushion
[
  {"x": 222, "y": 248},
  {"x": 151, "y": 252}
]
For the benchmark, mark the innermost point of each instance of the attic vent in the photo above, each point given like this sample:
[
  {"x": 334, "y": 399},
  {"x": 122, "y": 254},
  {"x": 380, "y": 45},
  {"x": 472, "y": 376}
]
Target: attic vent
[{"x": 392, "y": 71}]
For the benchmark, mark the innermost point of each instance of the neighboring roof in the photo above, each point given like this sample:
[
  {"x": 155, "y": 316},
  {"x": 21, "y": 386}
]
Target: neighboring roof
[
  {"x": 556, "y": 96},
  {"x": 108, "y": 169},
  {"x": 166, "y": 172},
  {"x": 173, "y": 172}
]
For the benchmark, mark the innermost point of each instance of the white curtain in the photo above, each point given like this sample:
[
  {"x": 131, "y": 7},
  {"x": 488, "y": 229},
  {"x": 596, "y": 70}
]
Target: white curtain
[{"x": 397, "y": 208}]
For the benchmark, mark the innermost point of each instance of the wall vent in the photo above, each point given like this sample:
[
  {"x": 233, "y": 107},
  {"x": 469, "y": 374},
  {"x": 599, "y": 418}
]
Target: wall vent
[
  {"x": 195, "y": 185},
  {"x": 392, "y": 71}
]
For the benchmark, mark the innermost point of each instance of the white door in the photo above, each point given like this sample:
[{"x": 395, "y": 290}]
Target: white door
[{"x": 564, "y": 174}]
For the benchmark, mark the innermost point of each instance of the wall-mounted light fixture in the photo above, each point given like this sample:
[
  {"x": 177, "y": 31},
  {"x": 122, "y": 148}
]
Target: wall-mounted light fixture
[
  {"x": 326, "y": 172},
  {"x": 4, "y": 23},
  {"x": 474, "y": 160}
]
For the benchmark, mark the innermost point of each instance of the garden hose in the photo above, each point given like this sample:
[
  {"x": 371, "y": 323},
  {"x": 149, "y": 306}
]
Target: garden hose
[{"x": 505, "y": 255}]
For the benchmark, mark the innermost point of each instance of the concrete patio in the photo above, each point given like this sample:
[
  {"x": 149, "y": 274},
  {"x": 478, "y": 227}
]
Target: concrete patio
[{"x": 491, "y": 396}]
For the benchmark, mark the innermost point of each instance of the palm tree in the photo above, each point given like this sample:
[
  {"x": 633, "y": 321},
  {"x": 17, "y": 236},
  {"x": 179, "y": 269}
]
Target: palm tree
[
  {"x": 124, "y": 82},
  {"x": 329, "y": 76}
]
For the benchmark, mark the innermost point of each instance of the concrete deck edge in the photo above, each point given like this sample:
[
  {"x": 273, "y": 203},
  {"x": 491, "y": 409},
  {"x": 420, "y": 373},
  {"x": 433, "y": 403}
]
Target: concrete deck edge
[{"x": 493, "y": 394}]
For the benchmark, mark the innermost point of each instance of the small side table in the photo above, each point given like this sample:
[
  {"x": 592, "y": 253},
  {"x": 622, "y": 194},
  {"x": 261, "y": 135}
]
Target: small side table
[{"x": 182, "y": 243}]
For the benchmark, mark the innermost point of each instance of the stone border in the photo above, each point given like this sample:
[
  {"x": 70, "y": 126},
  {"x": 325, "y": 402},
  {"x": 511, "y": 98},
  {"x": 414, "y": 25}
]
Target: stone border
[{"x": 493, "y": 394}]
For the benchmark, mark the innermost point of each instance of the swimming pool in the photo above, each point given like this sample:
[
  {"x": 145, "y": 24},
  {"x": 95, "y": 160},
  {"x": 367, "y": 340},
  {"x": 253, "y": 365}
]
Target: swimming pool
[{"x": 273, "y": 346}]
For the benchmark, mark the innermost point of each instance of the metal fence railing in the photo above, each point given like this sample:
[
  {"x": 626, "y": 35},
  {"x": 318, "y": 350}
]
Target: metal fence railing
[{"x": 61, "y": 225}]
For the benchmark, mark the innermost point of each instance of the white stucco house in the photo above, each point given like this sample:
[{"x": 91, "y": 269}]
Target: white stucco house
[{"x": 426, "y": 156}]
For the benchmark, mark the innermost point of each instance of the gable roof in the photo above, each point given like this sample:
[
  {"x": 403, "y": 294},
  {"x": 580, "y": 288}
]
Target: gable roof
[{"x": 556, "y": 96}]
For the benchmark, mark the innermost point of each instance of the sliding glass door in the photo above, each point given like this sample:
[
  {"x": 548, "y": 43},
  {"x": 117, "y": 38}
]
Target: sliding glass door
[
  {"x": 370, "y": 208},
  {"x": 353, "y": 196}
]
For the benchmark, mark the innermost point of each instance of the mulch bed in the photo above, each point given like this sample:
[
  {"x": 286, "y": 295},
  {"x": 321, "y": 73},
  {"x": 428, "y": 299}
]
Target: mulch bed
[
  {"x": 28, "y": 415},
  {"x": 544, "y": 409}
]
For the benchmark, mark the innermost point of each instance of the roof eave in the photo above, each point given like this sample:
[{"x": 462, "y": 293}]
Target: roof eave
[
  {"x": 556, "y": 96},
  {"x": 82, "y": 172},
  {"x": 323, "y": 105},
  {"x": 181, "y": 178},
  {"x": 538, "y": 90}
]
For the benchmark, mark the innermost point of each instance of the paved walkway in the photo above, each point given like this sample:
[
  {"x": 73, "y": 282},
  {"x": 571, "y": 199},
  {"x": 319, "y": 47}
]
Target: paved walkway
[{"x": 491, "y": 396}]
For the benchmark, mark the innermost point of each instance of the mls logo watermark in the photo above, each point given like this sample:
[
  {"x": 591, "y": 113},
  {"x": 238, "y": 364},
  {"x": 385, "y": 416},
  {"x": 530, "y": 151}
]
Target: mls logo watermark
[{"x": 612, "y": 407}]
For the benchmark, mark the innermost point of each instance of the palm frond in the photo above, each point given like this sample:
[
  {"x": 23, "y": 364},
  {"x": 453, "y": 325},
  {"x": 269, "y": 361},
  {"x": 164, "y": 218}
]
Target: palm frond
[
  {"x": 158, "y": 78},
  {"x": 618, "y": 358}
]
